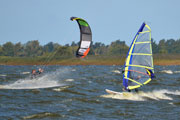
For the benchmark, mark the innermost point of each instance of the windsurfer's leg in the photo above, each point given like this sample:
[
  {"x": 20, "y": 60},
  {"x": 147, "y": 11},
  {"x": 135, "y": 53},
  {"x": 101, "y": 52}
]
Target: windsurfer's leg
[
  {"x": 129, "y": 90},
  {"x": 136, "y": 90},
  {"x": 123, "y": 89},
  {"x": 126, "y": 90}
]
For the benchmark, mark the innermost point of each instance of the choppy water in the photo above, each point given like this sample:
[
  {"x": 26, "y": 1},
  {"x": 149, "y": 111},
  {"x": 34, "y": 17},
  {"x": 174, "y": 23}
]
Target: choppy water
[{"x": 78, "y": 93}]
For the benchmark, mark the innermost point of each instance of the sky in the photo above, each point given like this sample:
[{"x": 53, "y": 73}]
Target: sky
[{"x": 110, "y": 20}]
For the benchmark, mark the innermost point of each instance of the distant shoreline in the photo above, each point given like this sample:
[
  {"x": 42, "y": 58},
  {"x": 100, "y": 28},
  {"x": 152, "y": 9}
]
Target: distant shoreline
[{"x": 162, "y": 60}]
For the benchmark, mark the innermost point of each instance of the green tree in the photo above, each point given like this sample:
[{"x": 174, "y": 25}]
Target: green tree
[
  {"x": 170, "y": 45},
  {"x": 63, "y": 51},
  {"x": 176, "y": 46},
  {"x": 155, "y": 48},
  {"x": 33, "y": 48},
  {"x": 117, "y": 48},
  {"x": 162, "y": 46},
  {"x": 18, "y": 50},
  {"x": 48, "y": 47},
  {"x": 100, "y": 48},
  {"x": 74, "y": 44},
  {"x": 8, "y": 49},
  {"x": 1, "y": 51}
]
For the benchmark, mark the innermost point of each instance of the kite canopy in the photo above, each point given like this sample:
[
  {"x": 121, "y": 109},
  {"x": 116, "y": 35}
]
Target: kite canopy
[
  {"x": 139, "y": 68},
  {"x": 85, "y": 37}
]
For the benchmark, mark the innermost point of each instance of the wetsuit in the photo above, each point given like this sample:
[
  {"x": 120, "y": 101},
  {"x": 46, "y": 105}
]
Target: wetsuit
[{"x": 38, "y": 72}]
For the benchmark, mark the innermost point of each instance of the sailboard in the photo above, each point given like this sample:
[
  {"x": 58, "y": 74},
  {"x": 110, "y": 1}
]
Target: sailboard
[
  {"x": 85, "y": 37},
  {"x": 138, "y": 67},
  {"x": 126, "y": 94},
  {"x": 113, "y": 92}
]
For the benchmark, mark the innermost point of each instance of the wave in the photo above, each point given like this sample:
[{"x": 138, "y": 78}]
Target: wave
[
  {"x": 42, "y": 115},
  {"x": 69, "y": 80},
  {"x": 144, "y": 96},
  {"x": 25, "y": 73},
  {"x": 3, "y": 75},
  {"x": 167, "y": 71},
  {"x": 176, "y": 71},
  {"x": 52, "y": 79},
  {"x": 60, "y": 88},
  {"x": 73, "y": 70},
  {"x": 116, "y": 71}
]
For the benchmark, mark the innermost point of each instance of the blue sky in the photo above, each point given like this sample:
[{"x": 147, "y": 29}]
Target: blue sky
[{"x": 49, "y": 20}]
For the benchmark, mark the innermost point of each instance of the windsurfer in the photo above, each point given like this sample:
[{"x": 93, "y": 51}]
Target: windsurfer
[
  {"x": 126, "y": 89},
  {"x": 138, "y": 77},
  {"x": 136, "y": 90}
]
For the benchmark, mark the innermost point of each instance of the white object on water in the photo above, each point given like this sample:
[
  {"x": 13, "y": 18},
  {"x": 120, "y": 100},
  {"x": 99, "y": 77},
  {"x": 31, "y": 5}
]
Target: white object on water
[
  {"x": 167, "y": 71},
  {"x": 176, "y": 71},
  {"x": 69, "y": 80},
  {"x": 142, "y": 96},
  {"x": 3, "y": 75},
  {"x": 25, "y": 72},
  {"x": 116, "y": 71},
  {"x": 48, "y": 80}
]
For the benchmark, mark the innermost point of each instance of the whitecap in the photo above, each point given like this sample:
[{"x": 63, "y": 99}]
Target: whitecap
[
  {"x": 52, "y": 79},
  {"x": 176, "y": 71},
  {"x": 3, "y": 75},
  {"x": 116, "y": 71},
  {"x": 167, "y": 71},
  {"x": 144, "y": 96},
  {"x": 69, "y": 80},
  {"x": 25, "y": 72},
  {"x": 61, "y": 88}
]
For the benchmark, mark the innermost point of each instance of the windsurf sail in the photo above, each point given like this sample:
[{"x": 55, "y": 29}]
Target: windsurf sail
[
  {"x": 85, "y": 37},
  {"x": 139, "y": 68}
]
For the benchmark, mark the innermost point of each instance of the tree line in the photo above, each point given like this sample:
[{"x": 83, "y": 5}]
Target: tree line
[{"x": 33, "y": 48}]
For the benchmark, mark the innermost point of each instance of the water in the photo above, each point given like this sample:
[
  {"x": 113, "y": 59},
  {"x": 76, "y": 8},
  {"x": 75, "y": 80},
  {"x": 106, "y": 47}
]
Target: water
[{"x": 78, "y": 93}]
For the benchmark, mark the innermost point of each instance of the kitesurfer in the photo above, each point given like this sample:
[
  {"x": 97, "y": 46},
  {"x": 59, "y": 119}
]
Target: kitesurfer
[
  {"x": 40, "y": 70},
  {"x": 33, "y": 74}
]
